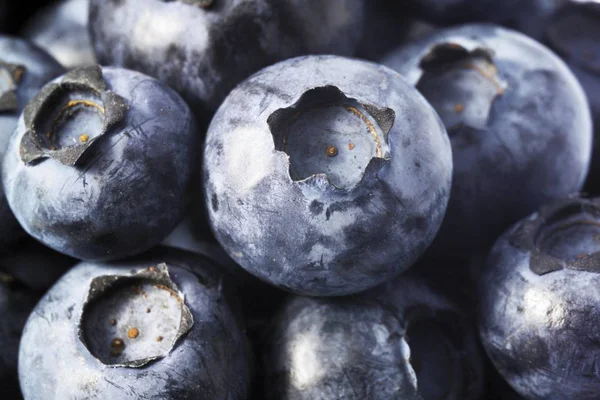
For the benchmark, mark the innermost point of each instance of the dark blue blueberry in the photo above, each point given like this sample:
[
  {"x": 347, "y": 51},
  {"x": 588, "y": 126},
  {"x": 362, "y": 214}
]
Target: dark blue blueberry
[
  {"x": 573, "y": 33},
  {"x": 540, "y": 304},
  {"x": 62, "y": 30},
  {"x": 203, "y": 48},
  {"x": 24, "y": 69},
  {"x": 402, "y": 341},
  {"x": 518, "y": 121},
  {"x": 326, "y": 175},
  {"x": 162, "y": 326},
  {"x": 99, "y": 163}
]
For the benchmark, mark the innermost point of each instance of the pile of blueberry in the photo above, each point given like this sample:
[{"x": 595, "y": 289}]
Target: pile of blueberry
[{"x": 300, "y": 199}]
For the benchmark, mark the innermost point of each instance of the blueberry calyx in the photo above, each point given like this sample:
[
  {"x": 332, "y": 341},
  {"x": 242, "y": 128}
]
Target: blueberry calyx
[
  {"x": 131, "y": 320},
  {"x": 574, "y": 34},
  {"x": 564, "y": 235},
  {"x": 330, "y": 136},
  {"x": 87, "y": 110},
  {"x": 10, "y": 77},
  {"x": 461, "y": 84}
]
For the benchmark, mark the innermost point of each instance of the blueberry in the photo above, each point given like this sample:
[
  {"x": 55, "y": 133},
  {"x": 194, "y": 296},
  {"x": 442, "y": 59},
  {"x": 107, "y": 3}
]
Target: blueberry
[
  {"x": 154, "y": 327},
  {"x": 16, "y": 302},
  {"x": 203, "y": 48},
  {"x": 573, "y": 33},
  {"x": 99, "y": 163},
  {"x": 62, "y": 29},
  {"x": 404, "y": 343},
  {"x": 24, "y": 69},
  {"x": 540, "y": 307},
  {"x": 518, "y": 121},
  {"x": 326, "y": 175}
]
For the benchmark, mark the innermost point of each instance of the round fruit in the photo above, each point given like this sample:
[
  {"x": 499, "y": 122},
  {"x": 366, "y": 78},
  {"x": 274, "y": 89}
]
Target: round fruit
[{"x": 326, "y": 175}]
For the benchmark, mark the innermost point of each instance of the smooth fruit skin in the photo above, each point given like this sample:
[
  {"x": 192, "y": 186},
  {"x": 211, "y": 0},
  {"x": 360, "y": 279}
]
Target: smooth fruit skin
[
  {"x": 39, "y": 69},
  {"x": 533, "y": 141},
  {"x": 126, "y": 193},
  {"x": 362, "y": 347},
  {"x": 539, "y": 309},
  {"x": 308, "y": 235},
  {"x": 211, "y": 361},
  {"x": 204, "y": 52},
  {"x": 62, "y": 30}
]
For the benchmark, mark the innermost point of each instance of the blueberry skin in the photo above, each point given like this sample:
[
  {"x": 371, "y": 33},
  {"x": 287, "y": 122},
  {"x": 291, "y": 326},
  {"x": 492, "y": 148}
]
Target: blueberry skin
[
  {"x": 204, "y": 52},
  {"x": 39, "y": 69},
  {"x": 362, "y": 348},
  {"x": 16, "y": 302},
  {"x": 308, "y": 235},
  {"x": 540, "y": 307},
  {"x": 125, "y": 194},
  {"x": 62, "y": 30},
  {"x": 528, "y": 144},
  {"x": 210, "y": 361},
  {"x": 572, "y": 33}
]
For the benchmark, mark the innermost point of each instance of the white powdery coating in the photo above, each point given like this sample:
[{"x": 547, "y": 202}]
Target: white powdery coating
[
  {"x": 546, "y": 323},
  {"x": 305, "y": 366},
  {"x": 332, "y": 350},
  {"x": 65, "y": 369},
  {"x": 250, "y": 192},
  {"x": 246, "y": 165}
]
